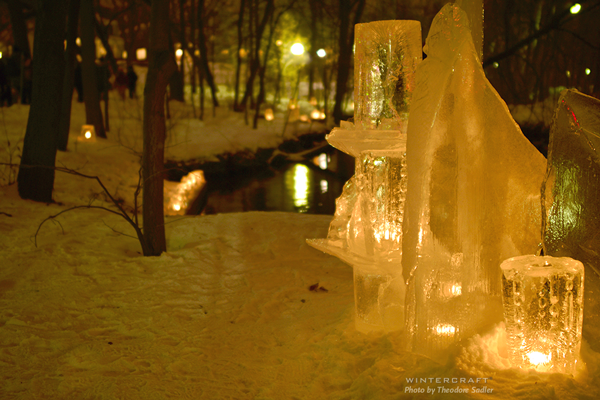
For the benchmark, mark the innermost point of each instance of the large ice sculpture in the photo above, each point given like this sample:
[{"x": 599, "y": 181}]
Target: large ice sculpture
[
  {"x": 543, "y": 311},
  {"x": 366, "y": 230},
  {"x": 572, "y": 196},
  {"x": 472, "y": 196}
]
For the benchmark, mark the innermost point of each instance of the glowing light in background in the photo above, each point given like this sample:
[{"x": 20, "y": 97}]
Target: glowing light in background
[
  {"x": 140, "y": 53},
  {"x": 87, "y": 134},
  {"x": 269, "y": 116},
  {"x": 321, "y": 53},
  {"x": 297, "y": 49},
  {"x": 178, "y": 195},
  {"x": 587, "y": 71},
  {"x": 178, "y": 53},
  {"x": 495, "y": 64},
  {"x": 575, "y": 8}
]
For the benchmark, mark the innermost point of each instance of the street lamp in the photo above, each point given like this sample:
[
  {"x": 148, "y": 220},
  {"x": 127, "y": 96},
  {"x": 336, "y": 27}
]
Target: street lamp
[
  {"x": 575, "y": 8},
  {"x": 297, "y": 49}
]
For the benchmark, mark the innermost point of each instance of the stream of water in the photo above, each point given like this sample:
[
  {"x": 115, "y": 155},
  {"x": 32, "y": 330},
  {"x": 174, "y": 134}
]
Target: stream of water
[{"x": 311, "y": 187}]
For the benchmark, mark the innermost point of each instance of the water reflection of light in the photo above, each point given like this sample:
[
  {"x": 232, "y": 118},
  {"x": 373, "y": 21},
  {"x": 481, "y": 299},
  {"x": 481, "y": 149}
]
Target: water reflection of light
[
  {"x": 324, "y": 186},
  {"x": 322, "y": 161},
  {"x": 301, "y": 185}
]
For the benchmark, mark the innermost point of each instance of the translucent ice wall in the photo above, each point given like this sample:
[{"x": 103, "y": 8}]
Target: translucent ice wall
[
  {"x": 572, "y": 196},
  {"x": 472, "y": 195},
  {"x": 385, "y": 58}
]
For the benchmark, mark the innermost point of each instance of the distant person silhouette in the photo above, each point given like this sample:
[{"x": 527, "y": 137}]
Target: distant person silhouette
[
  {"x": 5, "y": 90},
  {"x": 131, "y": 81}
]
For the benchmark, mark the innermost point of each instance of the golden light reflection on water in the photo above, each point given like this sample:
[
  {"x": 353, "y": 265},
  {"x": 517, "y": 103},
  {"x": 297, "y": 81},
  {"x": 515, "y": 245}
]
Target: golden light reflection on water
[{"x": 297, "y": 180}]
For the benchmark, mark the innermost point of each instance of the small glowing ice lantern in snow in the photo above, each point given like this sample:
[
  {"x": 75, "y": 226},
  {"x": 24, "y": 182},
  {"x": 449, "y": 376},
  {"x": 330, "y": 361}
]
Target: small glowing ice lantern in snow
[
  {"x": 269, "y": 116},
  {"x": 88, "y": 134},
  {"x": 543, "y": 311}
]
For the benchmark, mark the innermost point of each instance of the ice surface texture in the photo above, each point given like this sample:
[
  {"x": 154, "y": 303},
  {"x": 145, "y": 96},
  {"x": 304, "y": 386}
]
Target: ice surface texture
[
  {"x": 543, "y": 311},
  {"x": 572, "y": 196},
  {"x": 386, "y": 56},
  {"x": 472, "y": 196}
]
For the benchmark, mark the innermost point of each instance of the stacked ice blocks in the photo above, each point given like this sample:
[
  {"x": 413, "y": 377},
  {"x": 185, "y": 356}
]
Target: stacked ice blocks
[{"x": 366, "y": 230}]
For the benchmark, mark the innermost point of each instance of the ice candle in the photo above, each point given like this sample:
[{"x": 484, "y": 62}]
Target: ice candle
[{"x": 543, "y": 311}]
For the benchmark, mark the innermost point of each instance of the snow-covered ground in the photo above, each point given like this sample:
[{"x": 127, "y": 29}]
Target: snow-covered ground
[{"x": 226, "y": 313}]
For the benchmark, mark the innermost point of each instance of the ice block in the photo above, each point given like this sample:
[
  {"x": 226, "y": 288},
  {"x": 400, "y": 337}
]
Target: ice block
[
  {"x": 472, "y": 196},
  {"x": 572, "y": 196},
  {"x": 543, "y": 312},
  {"x": 386, "y": 56}
]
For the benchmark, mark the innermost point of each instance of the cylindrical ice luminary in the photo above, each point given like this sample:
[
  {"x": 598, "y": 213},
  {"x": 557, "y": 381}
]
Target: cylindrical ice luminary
[
  {"x": 543, "y": 311},
  {"x": 88, "y": 134}
]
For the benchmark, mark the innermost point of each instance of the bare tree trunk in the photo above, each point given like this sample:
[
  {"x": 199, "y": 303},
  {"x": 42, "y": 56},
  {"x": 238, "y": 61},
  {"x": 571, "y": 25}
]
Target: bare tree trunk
[
  {"x": 175, "y": 81},
  {"x": 93, "y": 113},
  {"x": 345, "y": 51},
  {"x": 204, "y": 55},
  {"x": 19, "y": 27},
  {"x": 161, "y": 66},
  {"x": 184, "y": 47},
  {"x": 102, "y": 35},
  {"x": 69, "y": 77},
  {"x": 255, "y": 63},
  {"x": 314, "y": 38},
  {"x": 238, "y": 67},
  {"x": 39, "y": 147}
]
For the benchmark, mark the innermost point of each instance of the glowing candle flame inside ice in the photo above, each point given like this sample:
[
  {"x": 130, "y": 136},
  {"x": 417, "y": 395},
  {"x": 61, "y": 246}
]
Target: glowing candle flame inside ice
[
  {"x": 456, "y": 290},
  {"x": 536, "y": 358},
  {"x": 445, "y": 329},
  {"x": 88, "y": 134},
  {"x": 269, "y": 116}
]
